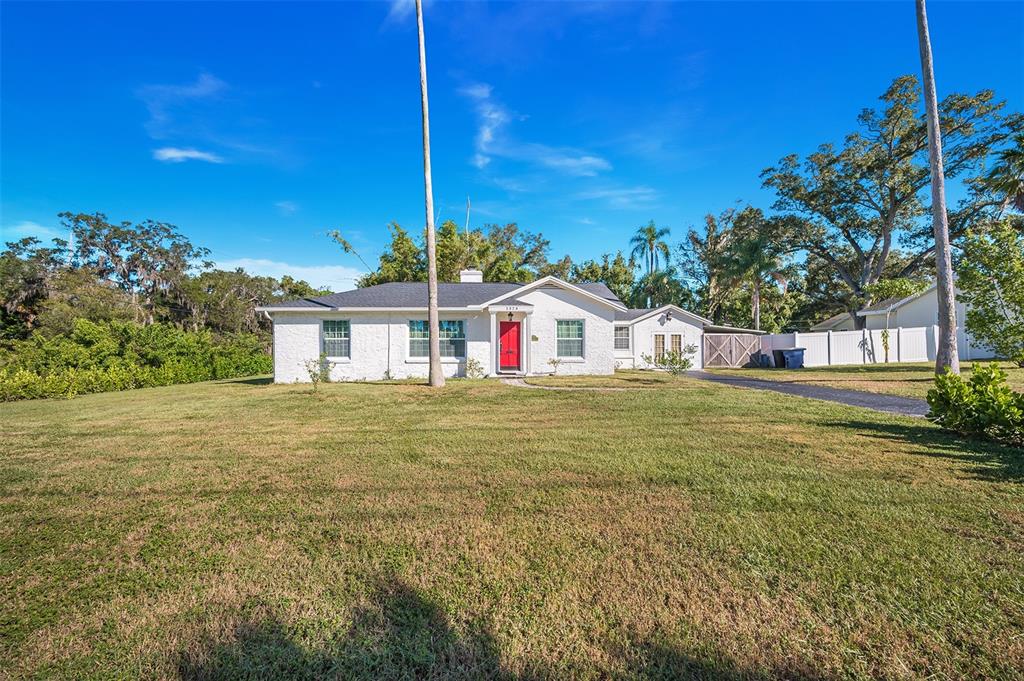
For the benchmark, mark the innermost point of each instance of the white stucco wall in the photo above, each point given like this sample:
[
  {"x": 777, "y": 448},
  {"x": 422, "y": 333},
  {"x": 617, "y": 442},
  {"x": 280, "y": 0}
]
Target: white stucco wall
[
  {"x": 642, "y": 339},
  {"x": 379, "y": 343},
  {"x": 551, "y": 304}
]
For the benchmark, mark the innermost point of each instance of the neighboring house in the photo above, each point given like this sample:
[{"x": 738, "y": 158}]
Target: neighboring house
[
  {"x": 381, "y": 331},
  {"x": 918, "y": 310},
  {"x": 840, "y": 322}
]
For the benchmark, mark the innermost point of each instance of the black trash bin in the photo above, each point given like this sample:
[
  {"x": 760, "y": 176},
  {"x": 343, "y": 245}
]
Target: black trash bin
[
  {"x": 790, "y": 358},
  {"x": 794, "y": 358}
]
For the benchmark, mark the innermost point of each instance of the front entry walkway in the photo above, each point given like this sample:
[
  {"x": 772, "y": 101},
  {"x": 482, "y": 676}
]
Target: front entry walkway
[{"x": 892, "y": 404}]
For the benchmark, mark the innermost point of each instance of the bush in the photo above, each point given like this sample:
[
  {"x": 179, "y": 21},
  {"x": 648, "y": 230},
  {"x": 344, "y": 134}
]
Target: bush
[
  {"x": 100, "y": 357},
  {"x": 474, "y": 369},
  {"x": 675, "y": 363},
  {"x": 984, "y": 406}
]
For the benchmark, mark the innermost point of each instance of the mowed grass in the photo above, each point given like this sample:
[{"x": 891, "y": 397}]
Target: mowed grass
[
  {"x": 907, "y": 380},
  {"x": 632, "y": 379},
  {"x": 244, "y": 530}
]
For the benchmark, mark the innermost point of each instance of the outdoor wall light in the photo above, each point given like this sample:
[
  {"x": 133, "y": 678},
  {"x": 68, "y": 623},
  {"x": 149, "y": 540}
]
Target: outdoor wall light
[
  {"x": 668, "y": 316},
  {"x": 510, "y": 316}
]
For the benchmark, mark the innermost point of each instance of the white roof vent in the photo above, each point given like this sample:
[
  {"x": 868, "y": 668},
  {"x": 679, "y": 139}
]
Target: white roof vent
[{"x": 471, "y": 276}]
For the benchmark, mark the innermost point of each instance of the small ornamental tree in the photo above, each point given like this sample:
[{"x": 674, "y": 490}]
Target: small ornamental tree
[
  {"x": 991, "y": 282},
  {"x": 319, "y": 371},
  {"x": 675, "y": 363}
]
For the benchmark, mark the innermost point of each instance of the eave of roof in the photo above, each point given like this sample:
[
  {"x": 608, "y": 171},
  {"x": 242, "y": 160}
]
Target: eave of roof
[
  {"x": 832, "y": 321},
  {"x": 561, "y": 283},
  {"x": 724, "y": 328},
  {"x": 890, "y": 304},
  {"x": 396, "y": 296},
  {"x": 630, "y": 317}
]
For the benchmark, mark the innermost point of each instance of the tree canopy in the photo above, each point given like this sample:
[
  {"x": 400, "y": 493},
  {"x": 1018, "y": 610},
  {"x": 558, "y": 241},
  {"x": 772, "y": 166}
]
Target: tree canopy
[
  {"x": 145, "y": 273},
  {"x": 862, "y": 208}
]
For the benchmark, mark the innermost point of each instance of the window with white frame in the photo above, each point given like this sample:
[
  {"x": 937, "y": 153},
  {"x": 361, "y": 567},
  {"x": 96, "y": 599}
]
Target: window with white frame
[
  {"x": 569, "y": 337},
  {"x": 659, "y": 346},
  {"x": 452, "y": 336},
  {"x": 622, "y": 338},
  {"x": 677, "y": 344},
  {"x": 337, "y": 338}
]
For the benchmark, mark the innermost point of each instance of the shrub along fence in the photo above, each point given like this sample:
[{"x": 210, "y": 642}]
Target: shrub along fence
[
  {"x": 871, "y": 346},
  {"x": 99, "y": 357}
]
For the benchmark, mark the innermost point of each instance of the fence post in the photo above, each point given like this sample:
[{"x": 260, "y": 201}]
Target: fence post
[
  {"x": 899, "y": 344},
  {"x": 828, "y": 344}
]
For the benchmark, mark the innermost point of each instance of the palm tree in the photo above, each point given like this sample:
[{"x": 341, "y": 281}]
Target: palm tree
[
  {"x": 753, "y": 255},
  {"x": 1007, "y": 177},
  {"x": 436, "y": 374},
  {"x": 946, "y": 356},
  {"x": 648, "y": 244}
]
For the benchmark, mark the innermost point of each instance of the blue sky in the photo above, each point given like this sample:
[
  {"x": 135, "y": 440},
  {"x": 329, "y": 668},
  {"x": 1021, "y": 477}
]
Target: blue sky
[{"x": 257, "y": 127}]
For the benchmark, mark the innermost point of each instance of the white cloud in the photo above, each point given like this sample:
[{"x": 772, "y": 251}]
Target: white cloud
[
  {"x": 334, "y": 277},
  {"x": 27, "y": 228},
  {"x": 492, "y": 141},
  {"x": 162, "y": 99},
  {"x": 176, "y": 155},
  {"x": 400, "y": 10},
  {"x": 286, "y": 207},
  {"x": 476, "y": 90},
  {"x": 624, "y": 198},
  {"x": 567, "y": 160}
]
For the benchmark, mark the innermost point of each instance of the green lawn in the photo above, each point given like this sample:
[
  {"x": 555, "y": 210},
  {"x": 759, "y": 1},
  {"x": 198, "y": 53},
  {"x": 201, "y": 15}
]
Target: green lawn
[
  {"x": 908, "y": 380},
  {"x": 238, "y": 529}
]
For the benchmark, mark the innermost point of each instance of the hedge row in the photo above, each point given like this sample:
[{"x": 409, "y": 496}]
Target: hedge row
[{"x": 118, "y": 356}]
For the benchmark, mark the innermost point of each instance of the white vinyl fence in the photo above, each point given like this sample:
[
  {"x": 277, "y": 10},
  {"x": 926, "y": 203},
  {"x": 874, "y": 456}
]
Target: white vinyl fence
[{"x": 915, "y": 344}]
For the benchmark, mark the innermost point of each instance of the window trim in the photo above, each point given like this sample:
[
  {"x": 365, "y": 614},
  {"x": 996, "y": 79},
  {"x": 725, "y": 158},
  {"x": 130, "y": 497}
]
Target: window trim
[
  {"x": 654, "y": 346},
  {"x": 582, "y": 339},
  {"x": 445, "y": 359},
  {"x": 616, "y": 339},
  {"x": 324, "y": 339},
  {"x": 672, "y": 342}
]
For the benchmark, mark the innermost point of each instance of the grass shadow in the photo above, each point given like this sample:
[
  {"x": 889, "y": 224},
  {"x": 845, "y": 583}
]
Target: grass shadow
[
  {"x": 654, "y": 659},
  {"x": 400, "y": 633},
  {"x": 254, "y": 380},
  {"x": 986, "y": 460},
  {"x": 403, "y": 634}
]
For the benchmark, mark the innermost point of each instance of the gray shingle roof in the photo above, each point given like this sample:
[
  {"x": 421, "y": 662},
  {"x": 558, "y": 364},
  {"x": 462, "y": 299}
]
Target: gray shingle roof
[
  {"x": 882, "y": 304},
  {"x": 629, "y": 315},
  {"x": 826, "y": 324},
  {"x": 636, "y": 313},
  {"x": 414, "y": 295}
]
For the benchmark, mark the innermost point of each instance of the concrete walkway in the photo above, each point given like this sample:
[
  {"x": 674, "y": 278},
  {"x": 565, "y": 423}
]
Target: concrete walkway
[{"x": 892, "y": 404}]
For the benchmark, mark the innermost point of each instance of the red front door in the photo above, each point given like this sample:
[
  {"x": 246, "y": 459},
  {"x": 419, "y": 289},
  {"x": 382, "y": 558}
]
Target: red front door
[{"x": 508, "y": 346}]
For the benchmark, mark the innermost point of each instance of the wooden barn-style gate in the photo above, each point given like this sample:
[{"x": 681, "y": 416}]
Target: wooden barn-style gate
[{"x": 731, "y": 349}]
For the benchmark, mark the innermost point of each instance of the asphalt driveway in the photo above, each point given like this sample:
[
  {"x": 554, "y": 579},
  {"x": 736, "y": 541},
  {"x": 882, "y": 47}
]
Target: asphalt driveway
[{"x": 893, "y": 404}]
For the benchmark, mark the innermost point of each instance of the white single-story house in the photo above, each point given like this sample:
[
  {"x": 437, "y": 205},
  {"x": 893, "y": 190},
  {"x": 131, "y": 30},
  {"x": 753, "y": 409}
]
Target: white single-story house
[
  {"x": 380, "y": 332},
  {"x": 917, "y": 310}
]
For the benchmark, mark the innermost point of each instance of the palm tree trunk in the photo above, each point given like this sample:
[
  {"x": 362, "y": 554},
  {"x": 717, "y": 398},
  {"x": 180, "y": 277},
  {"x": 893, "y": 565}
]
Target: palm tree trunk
[
  {"x": 756, "y": 303},
  {"x": 946, "y": 356},
  {"x": 436, "y": 374}
]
